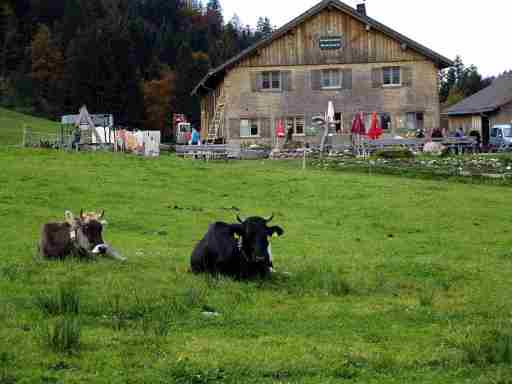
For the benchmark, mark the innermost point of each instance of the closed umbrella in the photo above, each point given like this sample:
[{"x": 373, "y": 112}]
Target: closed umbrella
[
  {"x": 330, "y": 120},
  {"x": 358, "y": 130},
  {"x": 358, "y": 127},
  {"x": 330, "y": 112},
  {"x": 375, "y": 131}
]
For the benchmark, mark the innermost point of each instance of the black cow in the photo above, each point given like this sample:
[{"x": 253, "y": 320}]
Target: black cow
[
  {"x": 245, "y": 257},
  {"x": 80, "y": 237}
]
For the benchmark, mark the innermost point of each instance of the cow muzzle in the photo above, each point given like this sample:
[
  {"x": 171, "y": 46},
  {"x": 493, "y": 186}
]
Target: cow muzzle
[
  {"x": 107, "y": 251},
  {"x": 100, "y": 249}
]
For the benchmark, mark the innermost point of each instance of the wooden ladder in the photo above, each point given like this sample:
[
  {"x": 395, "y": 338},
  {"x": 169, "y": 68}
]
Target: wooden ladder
[{"x": 217, "y": 124}]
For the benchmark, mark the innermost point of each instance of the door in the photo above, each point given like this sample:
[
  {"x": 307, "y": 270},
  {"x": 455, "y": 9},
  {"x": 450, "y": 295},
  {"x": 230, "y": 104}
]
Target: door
[{"x": 485, "y": 130}]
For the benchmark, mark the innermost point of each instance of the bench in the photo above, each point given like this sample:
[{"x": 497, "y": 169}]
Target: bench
[{"x": 209, "y": 152}]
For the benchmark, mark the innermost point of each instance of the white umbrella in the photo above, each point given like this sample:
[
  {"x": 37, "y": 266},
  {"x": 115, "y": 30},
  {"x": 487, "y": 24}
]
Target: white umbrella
[
  {"x": 330, "y": 112},
  {"x": 330, "y": 119}
]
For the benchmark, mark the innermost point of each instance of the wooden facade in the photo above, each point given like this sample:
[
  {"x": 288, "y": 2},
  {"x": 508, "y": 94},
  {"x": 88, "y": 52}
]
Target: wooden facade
[{"x": 283, "y": 80}]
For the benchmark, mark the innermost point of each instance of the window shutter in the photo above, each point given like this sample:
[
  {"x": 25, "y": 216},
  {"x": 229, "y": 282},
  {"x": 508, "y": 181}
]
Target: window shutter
[
  {"x": 377, "y": 77},
  {"x": 256, "y": 81},
  {"x": 286, "y": 78},
  {"x": 315, "y": 80},
  {"x": 407, "y": 76},
  {"x": 347, "y": 78},
  {"x": 234, "y": 128}
]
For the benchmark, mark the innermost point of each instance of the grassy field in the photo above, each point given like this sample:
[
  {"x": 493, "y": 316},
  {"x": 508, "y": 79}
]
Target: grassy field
[
  {"x": 12, "y": 123},
  {"x": 393, "y": 280}
]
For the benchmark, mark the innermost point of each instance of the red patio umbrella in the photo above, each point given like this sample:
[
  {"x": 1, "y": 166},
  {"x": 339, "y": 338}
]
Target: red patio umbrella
[
  {"x": 358, "y": 127},
  {"x": 375, "y": 131}
]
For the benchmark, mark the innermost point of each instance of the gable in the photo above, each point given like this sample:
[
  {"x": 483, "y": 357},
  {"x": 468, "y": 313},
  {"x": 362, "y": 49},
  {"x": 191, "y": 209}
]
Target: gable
[{"x": 359, "y": 44}]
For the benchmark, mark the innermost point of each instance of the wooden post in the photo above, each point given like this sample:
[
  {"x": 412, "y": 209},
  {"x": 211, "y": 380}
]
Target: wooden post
[
  {"x": 24, "y": 139},
  {"x": 304, "y": 160}
]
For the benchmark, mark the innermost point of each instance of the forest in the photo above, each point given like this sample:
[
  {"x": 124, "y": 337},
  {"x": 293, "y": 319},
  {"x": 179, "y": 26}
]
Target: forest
[{"x": 136, "y": 59}]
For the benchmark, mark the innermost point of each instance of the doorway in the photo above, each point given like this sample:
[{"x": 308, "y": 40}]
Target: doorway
[{"x": 485, "y": 130}]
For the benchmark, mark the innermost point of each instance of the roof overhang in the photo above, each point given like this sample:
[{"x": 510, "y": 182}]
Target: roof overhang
[
  {"x": 439, "y": 60},
  {"x": 469, "y": 112}
]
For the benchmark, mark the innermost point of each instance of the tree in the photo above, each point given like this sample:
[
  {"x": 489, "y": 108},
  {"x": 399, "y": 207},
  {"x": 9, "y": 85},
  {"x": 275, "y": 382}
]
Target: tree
[
  {"x": 263, "y": 28},
  {"x": 159, "y": 99},
  {"x": 47, "y": 70},
  {"x": 459, "y": 82}
]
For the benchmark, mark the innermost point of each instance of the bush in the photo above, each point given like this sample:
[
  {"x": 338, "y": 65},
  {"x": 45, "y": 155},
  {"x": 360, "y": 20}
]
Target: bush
[
  {"x": 394, "y": 154},
  {"x": 65, "y": 335}
]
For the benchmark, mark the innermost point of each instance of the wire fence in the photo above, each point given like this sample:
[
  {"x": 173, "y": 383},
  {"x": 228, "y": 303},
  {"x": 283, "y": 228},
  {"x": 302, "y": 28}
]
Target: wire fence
[{"x": 38, "y": 139}]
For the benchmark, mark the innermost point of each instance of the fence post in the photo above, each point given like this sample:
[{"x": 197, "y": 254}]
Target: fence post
[{"x": 24, "y": 139}]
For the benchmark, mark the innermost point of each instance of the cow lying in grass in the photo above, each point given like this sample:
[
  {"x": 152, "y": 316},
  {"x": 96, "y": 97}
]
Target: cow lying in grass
[
  {"x": 77, "y": 236},
  {"x": 220, "y": 252}
]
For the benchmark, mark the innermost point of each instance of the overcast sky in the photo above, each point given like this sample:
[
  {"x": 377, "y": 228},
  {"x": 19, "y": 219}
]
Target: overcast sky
[{"x": 479, "y": 31}]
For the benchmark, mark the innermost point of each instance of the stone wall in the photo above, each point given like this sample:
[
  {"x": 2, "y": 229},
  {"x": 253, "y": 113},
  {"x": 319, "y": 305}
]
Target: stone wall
[{"x": 420, "y": 94}]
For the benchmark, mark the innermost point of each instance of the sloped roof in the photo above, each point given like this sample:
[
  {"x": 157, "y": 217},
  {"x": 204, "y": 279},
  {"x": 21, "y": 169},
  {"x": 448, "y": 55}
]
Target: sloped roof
[
  {"x": 439, "y": 60},
  {"x": 488, "y": 99}
]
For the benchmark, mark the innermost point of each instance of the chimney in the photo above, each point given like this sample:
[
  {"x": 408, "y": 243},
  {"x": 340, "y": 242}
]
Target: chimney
[{"x": 361, "y": 8}]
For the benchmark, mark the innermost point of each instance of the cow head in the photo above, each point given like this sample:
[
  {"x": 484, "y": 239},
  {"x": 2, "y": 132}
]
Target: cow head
[
  {"x": 86, "y": 231},
  {"x": 254, "y": 233}
]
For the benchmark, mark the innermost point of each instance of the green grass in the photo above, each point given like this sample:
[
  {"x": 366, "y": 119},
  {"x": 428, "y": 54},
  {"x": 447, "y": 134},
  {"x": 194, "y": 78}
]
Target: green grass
[
  {"x": 393, "y": 280},
  {"x": 12, "y": 123}
]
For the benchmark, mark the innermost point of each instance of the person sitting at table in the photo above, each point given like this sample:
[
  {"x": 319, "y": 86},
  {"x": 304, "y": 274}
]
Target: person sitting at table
[{"x": 459, "y": 133}]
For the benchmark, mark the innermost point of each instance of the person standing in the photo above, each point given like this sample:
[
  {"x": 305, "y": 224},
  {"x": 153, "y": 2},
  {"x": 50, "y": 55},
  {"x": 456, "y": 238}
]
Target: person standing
[{"x": 195, "y": 138}]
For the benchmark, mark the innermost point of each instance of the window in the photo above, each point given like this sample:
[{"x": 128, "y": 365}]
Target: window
[
  {"x": 338, "y": 119},
  {"x": 385, "y": 121},
  {"x": 295, "y": 125},
  {"x": 271, "y": 80},
  {"x": 331, "y": 78},
  {"x": 392, "y": 76},
  {"x": 414, "y": 121},
  {"x": 249, "y": 128}
]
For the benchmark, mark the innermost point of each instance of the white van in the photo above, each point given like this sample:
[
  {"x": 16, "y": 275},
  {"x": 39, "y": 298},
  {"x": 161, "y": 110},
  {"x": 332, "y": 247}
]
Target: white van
[{"x": 501, "y": 136}]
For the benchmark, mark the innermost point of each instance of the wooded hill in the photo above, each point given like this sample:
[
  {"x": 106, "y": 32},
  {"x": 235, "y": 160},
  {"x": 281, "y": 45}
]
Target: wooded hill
[{"x": 137, "y": 59}]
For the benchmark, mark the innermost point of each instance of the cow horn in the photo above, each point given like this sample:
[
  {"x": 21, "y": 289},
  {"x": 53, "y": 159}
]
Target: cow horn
[
  {"x": 82, "y": 214},
  {"x": 239, "y": 219},
  {"x": 269, "y": 219},
  {"x": 102, "y": 214}
]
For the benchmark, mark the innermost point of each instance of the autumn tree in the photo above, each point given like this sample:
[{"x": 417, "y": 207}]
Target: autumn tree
[
  {"x": 159, "y": 99},
  {"x": 47, "y": 69}
]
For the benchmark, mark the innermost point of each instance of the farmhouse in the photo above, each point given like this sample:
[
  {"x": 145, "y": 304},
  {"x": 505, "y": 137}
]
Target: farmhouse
[
  {"x": 332, "y": 52},
  {"x": 490, "y": 106}
]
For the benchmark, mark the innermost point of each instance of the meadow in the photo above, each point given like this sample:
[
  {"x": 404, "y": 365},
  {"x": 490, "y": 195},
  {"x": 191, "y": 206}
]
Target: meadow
[
  {"x": 391, "y": 279},
  {"x": 12, "y": 123}
]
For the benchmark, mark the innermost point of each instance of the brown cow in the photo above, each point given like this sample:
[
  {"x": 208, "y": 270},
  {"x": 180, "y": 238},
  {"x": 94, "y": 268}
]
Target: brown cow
[{"x": 77, "y": 236}]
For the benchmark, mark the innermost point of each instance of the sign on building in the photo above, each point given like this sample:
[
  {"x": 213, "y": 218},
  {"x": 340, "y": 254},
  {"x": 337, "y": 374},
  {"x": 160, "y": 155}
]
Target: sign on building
[{"x": 331, "y": 42}]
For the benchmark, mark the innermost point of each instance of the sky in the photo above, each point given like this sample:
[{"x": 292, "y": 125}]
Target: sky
[{"x": 478, "y": 31}]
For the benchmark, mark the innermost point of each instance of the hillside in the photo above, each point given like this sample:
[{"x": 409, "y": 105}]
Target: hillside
[
  {"x": 12, "y": 123},
  {"x": 392, "y": 280}
]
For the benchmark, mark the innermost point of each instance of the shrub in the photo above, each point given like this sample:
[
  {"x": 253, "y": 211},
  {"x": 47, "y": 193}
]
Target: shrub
[
  {"x": 394, "y": 154},
  {"x": 65, "y": 335}
]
